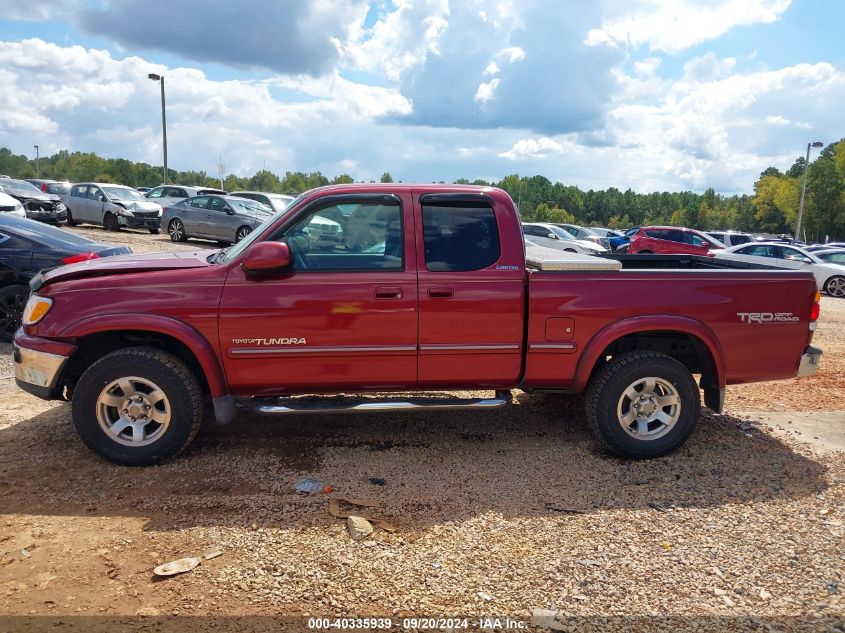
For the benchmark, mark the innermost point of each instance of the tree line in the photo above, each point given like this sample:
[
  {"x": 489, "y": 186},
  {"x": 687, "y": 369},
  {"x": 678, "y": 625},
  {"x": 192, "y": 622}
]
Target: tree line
[{"x": 773, "y": 207}]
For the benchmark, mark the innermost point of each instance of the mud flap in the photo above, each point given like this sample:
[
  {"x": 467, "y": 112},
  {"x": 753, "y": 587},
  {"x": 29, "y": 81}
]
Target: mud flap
[
  {"x": 714, "y": 399},
  {"x": 224, "y": 409}
]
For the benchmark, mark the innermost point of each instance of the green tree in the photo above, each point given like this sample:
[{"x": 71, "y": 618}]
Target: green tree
[{"x": 386, "y": 177}]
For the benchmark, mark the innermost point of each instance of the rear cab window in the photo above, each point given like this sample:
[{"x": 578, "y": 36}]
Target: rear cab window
[{"x": 460, "y": 236}]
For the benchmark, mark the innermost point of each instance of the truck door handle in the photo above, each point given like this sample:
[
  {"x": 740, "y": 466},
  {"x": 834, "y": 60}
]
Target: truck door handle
[
  {"x": 389, "y": 292},
  {"x": 440, "y": 293}
]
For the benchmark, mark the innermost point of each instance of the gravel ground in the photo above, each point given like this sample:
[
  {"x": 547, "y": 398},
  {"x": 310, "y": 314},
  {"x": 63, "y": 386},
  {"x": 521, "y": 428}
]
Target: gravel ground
[{"x": 498, "y": 513}]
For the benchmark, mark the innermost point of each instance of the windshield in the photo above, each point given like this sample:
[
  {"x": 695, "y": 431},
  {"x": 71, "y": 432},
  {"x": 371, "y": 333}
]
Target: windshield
[
  {"x": 228, "y": 254},
  {"x": 249, "y": 206},
  {"x": 123, "y": 193},
  {"x": 58, "y": 188},
  {"x": 713, "y": 241},
  {"x": 18, "y": 185},
  {"x": 281, "y": 202},
  {"x": 562, "y": 234}
]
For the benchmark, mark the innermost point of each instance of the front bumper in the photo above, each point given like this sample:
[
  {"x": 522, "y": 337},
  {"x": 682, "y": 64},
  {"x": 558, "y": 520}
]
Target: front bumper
[
  {"x": 809, "y": 361},
  {"x": 38, "y": 372},
  {"x": 139, "y": 223},
  {"x": 47, "y": 216}
]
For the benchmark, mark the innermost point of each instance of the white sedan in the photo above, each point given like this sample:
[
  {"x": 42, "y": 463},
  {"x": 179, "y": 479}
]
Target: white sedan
[
  {"x": 829, "y": 277},
  {"x": 551, "y": 236}
]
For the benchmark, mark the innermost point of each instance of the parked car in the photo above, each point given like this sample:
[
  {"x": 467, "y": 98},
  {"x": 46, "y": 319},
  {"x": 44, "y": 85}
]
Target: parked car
[
  {"x": 830, "y": 277},
  {"x": 221, "y": 218},
  {"x": 587, "y": 234},
  {"x": 831, "y": 255},
  {"x": 37, "y": 204},
  {"x": 672, "y": 240},
  {"x": 167, "y": 195},
  {"x": 50, "y": 186},
  {"x": 824, "y": 247},
  {"x": 267, "y": 319},
  {"x": 111, "y": 206},
  {"x": 28, "y": 247},
  {"x": 731, "y": 238},
  {"x": 277, "y": 201},
  {"x": 552, "y": 236},
  {"x": 11, "y": 206},
  {"x": 614, "y": 238}
]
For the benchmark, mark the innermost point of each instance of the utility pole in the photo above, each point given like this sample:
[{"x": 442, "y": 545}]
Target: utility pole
[
  {"x": 160, "y": 79},
  {"x": 804, "y": 188},
  {"x": 37, "y": 163}
]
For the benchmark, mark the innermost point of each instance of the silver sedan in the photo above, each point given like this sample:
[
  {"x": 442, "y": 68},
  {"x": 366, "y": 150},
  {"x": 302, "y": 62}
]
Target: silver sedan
[{"x": 220, "y": 218}]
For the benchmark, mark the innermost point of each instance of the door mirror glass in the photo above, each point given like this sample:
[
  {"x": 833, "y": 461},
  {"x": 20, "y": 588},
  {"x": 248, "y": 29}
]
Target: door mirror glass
[{"x": 267, "y": 257}]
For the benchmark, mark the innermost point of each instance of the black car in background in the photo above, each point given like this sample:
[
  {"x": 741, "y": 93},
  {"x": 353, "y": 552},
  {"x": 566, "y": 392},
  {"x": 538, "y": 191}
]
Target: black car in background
[
  {"x": 28, "y": 247},
  {"x": 37, "y": 204}
]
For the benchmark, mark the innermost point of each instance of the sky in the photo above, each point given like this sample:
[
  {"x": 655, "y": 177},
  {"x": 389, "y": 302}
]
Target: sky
[{"x": 642, "y": 94}]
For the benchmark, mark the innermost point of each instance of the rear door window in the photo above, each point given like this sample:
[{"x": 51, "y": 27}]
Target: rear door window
[
  {"x": 200, "y": 202},
  {"x": 758, "y": 250},
  {"x": 460, "y": 237}
]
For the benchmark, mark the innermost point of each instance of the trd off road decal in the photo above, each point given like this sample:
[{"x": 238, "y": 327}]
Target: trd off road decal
[{"x": 767, "y": 317}]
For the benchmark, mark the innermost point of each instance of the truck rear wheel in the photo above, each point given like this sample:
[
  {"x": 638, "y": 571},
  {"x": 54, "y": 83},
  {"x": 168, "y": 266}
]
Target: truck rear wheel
[
  {"x": 137, "y": 406},
  {"x": 642, "y": 404}
]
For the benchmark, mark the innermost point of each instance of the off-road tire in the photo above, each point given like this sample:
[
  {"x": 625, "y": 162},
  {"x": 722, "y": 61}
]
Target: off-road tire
[
  {"x": 170, "y": 374},
  {"x": 606, "y": 389}
]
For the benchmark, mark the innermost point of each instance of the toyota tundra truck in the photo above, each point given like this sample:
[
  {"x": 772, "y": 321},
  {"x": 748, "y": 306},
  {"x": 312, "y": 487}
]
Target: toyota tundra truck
[{"x": 437, "y": 293}]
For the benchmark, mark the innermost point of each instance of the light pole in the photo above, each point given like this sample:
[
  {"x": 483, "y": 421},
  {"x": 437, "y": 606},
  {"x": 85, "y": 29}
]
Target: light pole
[
  {"x": 160, "y": 79},
  {"x": 804, "y": 188},
  {"x": 37, "y": 163}
]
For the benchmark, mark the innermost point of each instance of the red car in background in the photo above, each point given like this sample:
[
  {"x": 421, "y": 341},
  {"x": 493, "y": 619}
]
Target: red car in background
[{"x": 672, "y": 240}]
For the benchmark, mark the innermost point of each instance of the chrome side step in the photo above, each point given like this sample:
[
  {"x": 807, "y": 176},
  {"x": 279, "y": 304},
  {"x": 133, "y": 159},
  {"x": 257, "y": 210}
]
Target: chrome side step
[{"x": 309, "y": 405}]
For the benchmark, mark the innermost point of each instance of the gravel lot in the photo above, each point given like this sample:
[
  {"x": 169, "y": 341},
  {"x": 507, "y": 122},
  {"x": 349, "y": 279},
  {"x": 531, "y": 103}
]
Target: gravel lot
[{"x": 498, "y": 513}]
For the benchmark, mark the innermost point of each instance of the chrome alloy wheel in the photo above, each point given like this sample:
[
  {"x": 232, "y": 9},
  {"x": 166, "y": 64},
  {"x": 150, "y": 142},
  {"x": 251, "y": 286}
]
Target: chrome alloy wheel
[
  {"x": 836, "y": 287},
  {"x": 242, "y": 233},
  {"x": 133, "y": 411},
  {"x": 648, "y": 408},
  {"x": 176, "y": 231}
]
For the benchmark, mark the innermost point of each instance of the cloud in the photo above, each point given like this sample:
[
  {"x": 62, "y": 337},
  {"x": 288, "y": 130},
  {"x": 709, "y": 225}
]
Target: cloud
[
  {"x": 33, "y": 10},
  {"x": 85, "y": 100},
  {"x": 533, "y": 148},
  {"x": 709, "y": 67},
  {"x": 672, "y": 26},
  {"x": 547, "y": 81},
  {"x": 283, "y": 36}
]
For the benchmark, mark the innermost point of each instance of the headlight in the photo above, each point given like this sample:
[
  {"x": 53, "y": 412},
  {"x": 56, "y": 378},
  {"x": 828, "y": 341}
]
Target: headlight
[
  {"x": 18, "y": 207},
  {"x": 36, "y": 309},
  {"x": 125, "y": 212},
  {"x": 61, "y": 206}
]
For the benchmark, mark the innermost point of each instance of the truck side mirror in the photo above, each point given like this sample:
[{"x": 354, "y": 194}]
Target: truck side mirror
[{"x": 267, "y": 257}]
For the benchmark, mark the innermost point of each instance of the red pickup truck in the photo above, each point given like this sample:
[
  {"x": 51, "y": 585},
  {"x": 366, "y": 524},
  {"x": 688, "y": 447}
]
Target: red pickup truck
[{"x": 402, "y": 288}]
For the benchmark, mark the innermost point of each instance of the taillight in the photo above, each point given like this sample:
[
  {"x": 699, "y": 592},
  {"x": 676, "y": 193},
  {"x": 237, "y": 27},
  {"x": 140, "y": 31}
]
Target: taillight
[
  {"x": 44, "y": 187},
  {"x": 815, "y": 310},
  {"x": 81, "y": 257}
]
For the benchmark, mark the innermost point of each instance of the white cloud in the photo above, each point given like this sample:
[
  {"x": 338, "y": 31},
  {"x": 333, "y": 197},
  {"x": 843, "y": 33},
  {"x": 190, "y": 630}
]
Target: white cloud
[
  {"x": 487, "y": 91},
  {"x": 708, "y": 67},
  {"x": 533, "y": 148},
  {"x": 674, "y": 25}
]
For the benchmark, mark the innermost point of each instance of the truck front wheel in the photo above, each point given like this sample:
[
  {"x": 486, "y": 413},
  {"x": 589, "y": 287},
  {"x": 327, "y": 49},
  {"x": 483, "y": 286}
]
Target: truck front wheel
[
  {"x": 137, "y": 406},
  {"x": 642, "y": 404}
]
